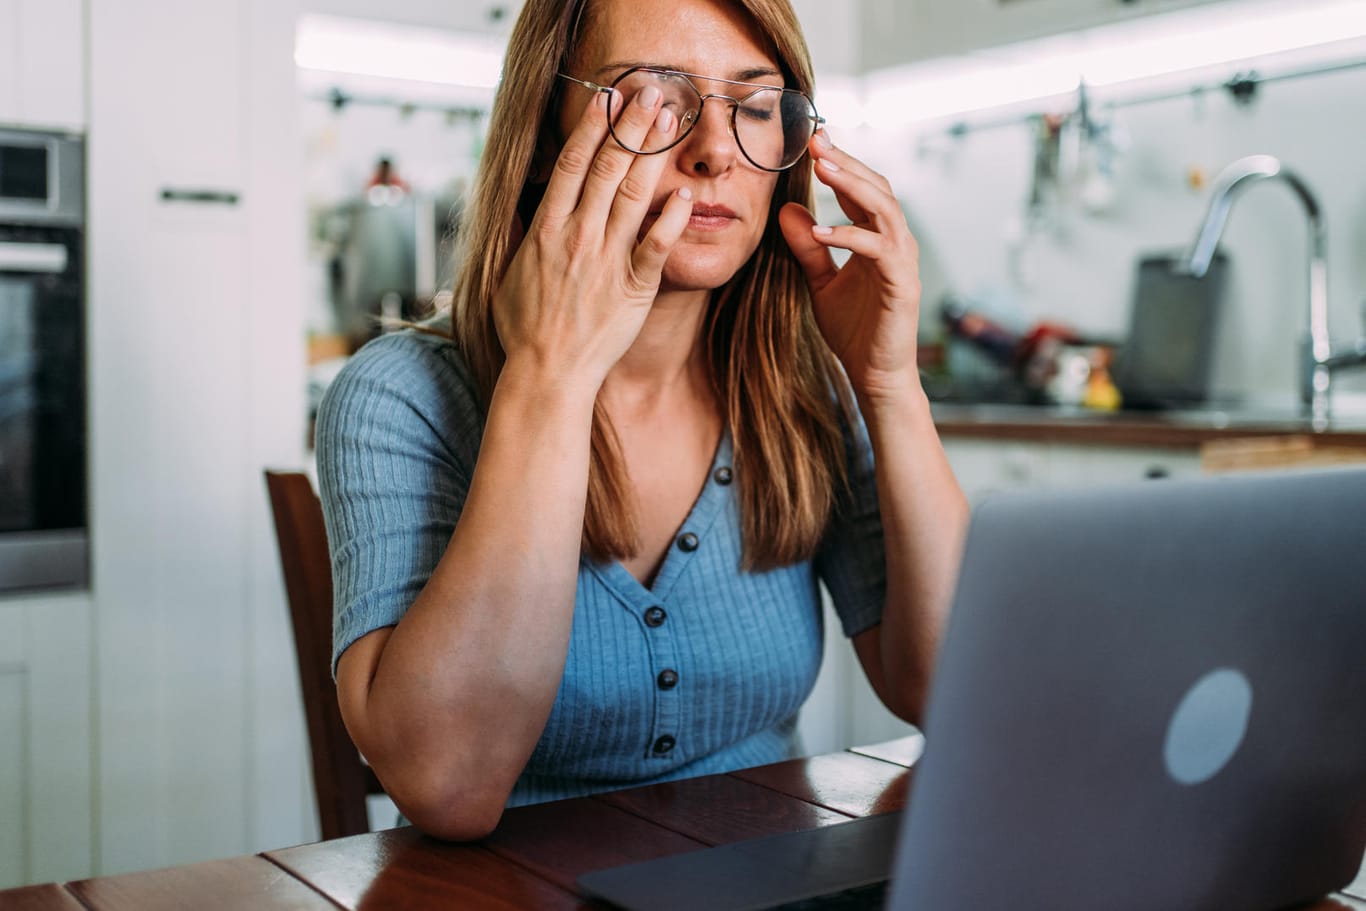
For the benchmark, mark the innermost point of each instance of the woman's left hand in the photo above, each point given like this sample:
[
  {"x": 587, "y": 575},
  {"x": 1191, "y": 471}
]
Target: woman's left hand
[{"x": 868, "y": 309}]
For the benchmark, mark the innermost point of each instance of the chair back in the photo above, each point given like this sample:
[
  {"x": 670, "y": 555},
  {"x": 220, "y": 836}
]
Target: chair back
[{"x": 341, "y": 779}]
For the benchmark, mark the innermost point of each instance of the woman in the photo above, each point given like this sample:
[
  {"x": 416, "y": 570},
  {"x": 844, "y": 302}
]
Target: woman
[{"x": 533, "y": 598}]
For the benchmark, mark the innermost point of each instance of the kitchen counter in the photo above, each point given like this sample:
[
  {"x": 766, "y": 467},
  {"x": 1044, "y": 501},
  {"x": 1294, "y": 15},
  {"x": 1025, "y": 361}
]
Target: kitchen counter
[{"x": 1192, "y": 428}]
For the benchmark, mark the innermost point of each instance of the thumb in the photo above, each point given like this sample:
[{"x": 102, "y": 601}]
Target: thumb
[{"x": 796, "y": 222}]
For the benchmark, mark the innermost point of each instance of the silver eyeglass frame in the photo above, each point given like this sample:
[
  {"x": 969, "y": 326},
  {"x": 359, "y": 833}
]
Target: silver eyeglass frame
[{"x": 816, "y": 119}]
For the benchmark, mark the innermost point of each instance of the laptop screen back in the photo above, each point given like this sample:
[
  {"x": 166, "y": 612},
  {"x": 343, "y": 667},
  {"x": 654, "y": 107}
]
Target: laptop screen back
[{"x": 1150, "y": 697}]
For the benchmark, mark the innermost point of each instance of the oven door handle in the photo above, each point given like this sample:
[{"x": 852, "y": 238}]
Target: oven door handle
[{"x": 33, "y": 257}]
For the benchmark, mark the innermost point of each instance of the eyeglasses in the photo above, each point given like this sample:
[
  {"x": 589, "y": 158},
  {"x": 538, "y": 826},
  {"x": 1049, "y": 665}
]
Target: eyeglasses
[{"x": 771, "y": 125}]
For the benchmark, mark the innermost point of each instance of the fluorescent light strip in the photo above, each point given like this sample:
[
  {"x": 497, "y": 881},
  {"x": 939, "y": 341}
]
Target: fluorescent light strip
[
  {"x": 397, "y": 52},
  {"x": 1111, "y": 56}
]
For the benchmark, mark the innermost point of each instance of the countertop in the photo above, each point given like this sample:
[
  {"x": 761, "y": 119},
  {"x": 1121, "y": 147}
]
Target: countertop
[{"x": 1178, "y": 429}]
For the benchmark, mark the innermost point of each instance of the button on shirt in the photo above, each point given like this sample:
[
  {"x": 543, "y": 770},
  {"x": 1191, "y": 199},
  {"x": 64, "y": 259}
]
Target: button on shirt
[{"x": 703, "y": 672}]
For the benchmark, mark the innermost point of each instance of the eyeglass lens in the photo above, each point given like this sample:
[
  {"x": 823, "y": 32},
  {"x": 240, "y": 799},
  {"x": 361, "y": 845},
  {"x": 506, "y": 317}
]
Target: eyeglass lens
[{"x": 772, "y": 126}]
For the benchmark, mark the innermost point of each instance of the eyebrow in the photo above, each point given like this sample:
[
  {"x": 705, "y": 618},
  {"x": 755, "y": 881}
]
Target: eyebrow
[{"x": 745, "y": 75}]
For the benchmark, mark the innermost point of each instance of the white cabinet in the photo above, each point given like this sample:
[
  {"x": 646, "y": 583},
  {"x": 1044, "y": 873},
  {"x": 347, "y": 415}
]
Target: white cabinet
[
  {"x": 895, "y": 31},
  {"x": 42, "y": 64},
  {"x": 46, "y": 779},
  {"x": 986, "y": 467},
  {"x": 197, "y": 351}
]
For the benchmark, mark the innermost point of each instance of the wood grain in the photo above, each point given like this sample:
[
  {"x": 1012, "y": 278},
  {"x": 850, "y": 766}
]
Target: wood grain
[
  {"x": 719, "y": 809},
  {"x": 846, "y": 782},
  {"x": 904, "y": 751},
  {"x": 566, "y": 838},
  {"x": 241, "y": 882},
  {"x": 404, "y": 869},
  {"x": 47, "y": 897}
]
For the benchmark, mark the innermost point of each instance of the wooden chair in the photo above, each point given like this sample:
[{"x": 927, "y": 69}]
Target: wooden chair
[{"x": 341, "y": 779}]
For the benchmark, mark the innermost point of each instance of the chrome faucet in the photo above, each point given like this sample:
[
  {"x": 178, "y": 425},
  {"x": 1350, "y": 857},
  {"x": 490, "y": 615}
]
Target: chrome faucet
[{"x": 1317, "y": 373}]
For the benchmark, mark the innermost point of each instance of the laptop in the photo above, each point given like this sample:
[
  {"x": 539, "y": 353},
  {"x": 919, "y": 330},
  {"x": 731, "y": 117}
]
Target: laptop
[{"x": 1149, "y": 697}]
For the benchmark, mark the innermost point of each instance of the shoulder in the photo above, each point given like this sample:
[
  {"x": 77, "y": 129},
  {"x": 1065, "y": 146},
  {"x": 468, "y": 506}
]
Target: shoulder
[
  {"x": 417, "y": 368},
  {"x": 405, "y": 382}
]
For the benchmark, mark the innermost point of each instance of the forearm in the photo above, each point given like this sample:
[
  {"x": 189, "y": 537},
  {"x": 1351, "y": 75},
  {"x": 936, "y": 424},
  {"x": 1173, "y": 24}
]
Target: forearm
[
  {"x": 465, "y": 682},
  {"x": 924, "y": 518}
]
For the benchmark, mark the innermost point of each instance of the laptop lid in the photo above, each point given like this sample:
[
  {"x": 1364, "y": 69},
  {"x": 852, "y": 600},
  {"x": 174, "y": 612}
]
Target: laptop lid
[{"x": 1149, "y": 697}]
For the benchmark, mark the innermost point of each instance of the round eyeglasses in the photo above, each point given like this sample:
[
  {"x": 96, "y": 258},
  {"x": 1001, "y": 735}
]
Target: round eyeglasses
[{"x": 771, "y": 125}]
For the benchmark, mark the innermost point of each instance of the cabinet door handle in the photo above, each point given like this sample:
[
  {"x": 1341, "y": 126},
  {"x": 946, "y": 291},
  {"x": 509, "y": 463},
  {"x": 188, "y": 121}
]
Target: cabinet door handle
[
  {"x": 19, "y": 257},
  {"x": 211, "y": 197}
]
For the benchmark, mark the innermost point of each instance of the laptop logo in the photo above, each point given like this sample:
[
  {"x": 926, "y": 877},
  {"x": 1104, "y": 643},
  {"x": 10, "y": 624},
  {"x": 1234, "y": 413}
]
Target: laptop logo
[{"x": 1208, "y": 726}]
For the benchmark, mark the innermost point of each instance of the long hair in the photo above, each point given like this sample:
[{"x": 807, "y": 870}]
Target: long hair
[{"x": 780, "y": 389}]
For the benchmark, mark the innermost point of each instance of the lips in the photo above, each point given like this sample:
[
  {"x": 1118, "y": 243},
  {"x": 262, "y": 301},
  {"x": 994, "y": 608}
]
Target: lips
[
  {"x": 709, "y": 210},
  {"x": 705, "y": 217},
  {"x": 711, "y": 217}
]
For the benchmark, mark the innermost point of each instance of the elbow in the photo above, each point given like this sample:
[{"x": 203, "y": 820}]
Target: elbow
[
  {"x": 907, "y": 696},
  {"x": 458, "y": 814}
]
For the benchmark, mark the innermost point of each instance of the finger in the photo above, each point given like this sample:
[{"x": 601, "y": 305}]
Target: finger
[
  {"x": 823, "y": 148},
  {"x": 571, "y": 166},
  {"x": 862, "y": 200},
  {"x": 636, "y": 191},
  {"x": 637, "y": 117},
  {"x": 858, "y": 240},
  {"x": 815, "y": 258},
  {"x": 654, "y": 248},
  {"x": 866, "y": 204}
]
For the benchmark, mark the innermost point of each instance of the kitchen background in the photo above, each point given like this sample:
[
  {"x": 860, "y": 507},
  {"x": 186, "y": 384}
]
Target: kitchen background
[{"x": 240, "y": 229}]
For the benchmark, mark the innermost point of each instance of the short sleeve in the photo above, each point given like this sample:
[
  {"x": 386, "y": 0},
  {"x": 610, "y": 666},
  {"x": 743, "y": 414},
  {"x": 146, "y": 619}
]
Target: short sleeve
[
  {"x": 397, "y": 439},
  {"x": 851, "y": 560}
]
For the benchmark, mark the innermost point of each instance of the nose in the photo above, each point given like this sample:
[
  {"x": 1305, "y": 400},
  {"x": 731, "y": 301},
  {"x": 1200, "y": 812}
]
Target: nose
[{"x": 709, "y": 148}]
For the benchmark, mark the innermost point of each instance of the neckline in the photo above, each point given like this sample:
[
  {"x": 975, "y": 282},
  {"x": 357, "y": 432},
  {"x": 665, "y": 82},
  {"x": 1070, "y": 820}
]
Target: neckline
[{"x": 710, "y": 502}]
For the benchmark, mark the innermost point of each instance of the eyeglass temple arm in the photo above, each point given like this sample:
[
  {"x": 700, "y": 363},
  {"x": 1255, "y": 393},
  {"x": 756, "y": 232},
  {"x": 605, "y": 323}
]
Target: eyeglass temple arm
[{"x": 586, "y": 84}]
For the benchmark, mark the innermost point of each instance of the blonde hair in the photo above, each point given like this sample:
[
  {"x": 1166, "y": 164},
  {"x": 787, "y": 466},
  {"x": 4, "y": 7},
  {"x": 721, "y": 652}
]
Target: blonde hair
[{"x": 779, "y": 387}]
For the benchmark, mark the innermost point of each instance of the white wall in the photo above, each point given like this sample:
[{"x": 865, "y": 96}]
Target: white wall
[{"x": 966, "y": 196}]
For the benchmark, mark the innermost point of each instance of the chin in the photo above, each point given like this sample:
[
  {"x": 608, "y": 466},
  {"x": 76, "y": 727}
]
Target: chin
[{"x": 701, "y": 268}]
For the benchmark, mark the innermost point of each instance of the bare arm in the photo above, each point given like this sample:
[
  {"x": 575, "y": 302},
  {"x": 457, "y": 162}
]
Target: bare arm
[
  {"x": 924, "y": 518},
  {"x": 448, "y": 705},
  {"x": 868, "y": 311}
]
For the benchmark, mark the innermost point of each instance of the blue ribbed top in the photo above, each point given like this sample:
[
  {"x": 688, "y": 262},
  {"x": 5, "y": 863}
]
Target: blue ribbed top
[{"x": 397, "y": 438}]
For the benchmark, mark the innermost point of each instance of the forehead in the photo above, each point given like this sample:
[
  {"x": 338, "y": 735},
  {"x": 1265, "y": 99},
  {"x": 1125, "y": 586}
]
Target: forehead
[{"x": 712, "y": 37}]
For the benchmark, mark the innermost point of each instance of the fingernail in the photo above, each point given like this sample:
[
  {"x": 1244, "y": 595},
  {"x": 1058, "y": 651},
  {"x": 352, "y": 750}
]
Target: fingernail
[
  {"x": 601, "y": 100},
  {"x": 829, "y": 165},
  {"x": 684, "y": 193},
  {"x": 647, "y": 96},
  {"x": 822, "y": 230},
  {"x": 823, "y": 140},
  {"x": 665, "y": 121}
]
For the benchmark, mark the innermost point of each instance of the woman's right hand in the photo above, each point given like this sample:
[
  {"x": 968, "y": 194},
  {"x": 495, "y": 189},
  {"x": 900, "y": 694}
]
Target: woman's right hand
[{"x": 584, "y": 278}]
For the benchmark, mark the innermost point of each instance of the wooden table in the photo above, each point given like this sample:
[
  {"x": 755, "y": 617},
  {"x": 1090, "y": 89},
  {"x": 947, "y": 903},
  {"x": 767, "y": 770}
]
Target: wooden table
[{"x": 533, "y": 858}]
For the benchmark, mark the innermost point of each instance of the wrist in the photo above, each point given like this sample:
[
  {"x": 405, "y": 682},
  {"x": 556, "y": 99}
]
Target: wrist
[
  {"x": 537, "y": 386},
  {"x": 893, "y": 398}
]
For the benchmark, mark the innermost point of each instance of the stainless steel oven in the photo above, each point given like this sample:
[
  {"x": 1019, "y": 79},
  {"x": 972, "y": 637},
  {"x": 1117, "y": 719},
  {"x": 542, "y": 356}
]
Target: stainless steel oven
[{"x": 43, "y": 536}]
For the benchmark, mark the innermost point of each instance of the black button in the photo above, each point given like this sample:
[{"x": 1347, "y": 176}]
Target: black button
[
  {"x": 723, "y": 475},
  {"x": 664, "y": 744},
  {"x": 655, "y": 616},
  {"x": 687, "y": 542},
  {"x": 667, "y": 679}
]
